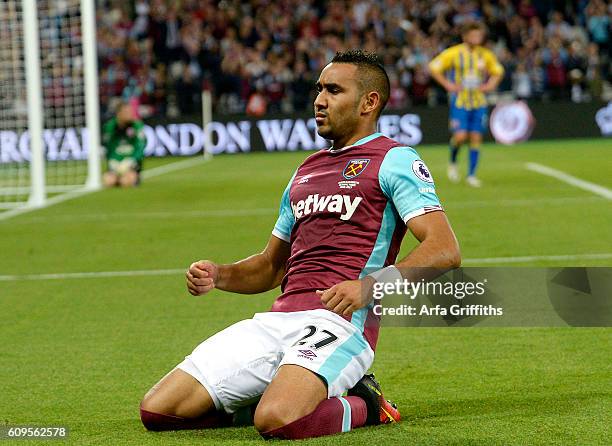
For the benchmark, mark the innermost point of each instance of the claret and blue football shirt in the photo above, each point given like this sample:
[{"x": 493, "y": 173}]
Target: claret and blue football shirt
[{"x": 344, "y": 212}]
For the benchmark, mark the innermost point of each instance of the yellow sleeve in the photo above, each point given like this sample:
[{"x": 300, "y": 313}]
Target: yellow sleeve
[
  {"x": 494, "y": 68},
  {"x": 442, "y": 61}
]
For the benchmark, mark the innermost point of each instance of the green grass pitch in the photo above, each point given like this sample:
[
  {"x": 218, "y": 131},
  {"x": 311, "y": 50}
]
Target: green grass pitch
[{"x": 82, "y": 351}]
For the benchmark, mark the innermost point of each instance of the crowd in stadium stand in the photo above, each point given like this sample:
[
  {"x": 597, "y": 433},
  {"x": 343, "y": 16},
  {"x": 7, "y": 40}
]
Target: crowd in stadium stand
[{"x": 263, "y": 56}]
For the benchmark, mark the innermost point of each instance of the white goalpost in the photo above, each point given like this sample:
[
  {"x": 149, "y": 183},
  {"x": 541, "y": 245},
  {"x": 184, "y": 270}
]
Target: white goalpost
[
  {"x": 49, "y": 111},
  {"x": 207, "y": 118}
]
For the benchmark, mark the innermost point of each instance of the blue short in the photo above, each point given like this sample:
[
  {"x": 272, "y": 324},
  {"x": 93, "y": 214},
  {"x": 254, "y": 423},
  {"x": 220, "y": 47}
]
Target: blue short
[{"x": 474, "y": 120}]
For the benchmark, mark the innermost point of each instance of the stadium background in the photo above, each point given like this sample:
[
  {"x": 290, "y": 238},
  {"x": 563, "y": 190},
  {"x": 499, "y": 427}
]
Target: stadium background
[
  {"x": 94, "y": 306},
  {"x": 165, "y": 52}
]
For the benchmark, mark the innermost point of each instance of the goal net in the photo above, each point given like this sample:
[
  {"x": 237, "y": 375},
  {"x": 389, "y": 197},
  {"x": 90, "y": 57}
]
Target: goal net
[{"x": 49, "y": 129}]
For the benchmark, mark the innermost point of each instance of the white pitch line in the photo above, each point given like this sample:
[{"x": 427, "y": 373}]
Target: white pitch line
[
  {"x": 519, "y": 202},
  {"x": 599, "y": 256},
  {"x": 49, "y": 202},
  {"x": 92, "y": 274},
  {"x": 91, "y": 217},
  {"x": 148, "y": 173},
  {"x": 176, "y": 271},
  {"x": 212, "y": 213},
  {"x": 569, "y": 179},
  {"x": 171, "y": 167}
]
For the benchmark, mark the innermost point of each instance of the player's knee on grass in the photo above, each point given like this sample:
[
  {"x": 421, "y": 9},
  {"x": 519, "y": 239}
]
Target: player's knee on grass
[
  {"x": 163, "y": 404},
  {"x": 110, "y": 179},
  {"x": 294, "y": 393},
  {"x": 150, "y": 403},
  {"x": 178, "y": 394},
  {"x": 150, "y": 420},
  {"x": 153, "y": 403},
  {"x": 269, "y": 417},
  {"x": 153, "y": 411},
  {"x": 129, "y": 179},
  {"x": 160, "y": 422}
]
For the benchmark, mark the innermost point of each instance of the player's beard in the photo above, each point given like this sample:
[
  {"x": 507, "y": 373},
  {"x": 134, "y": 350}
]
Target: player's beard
[{"x": 341, "y": 125}]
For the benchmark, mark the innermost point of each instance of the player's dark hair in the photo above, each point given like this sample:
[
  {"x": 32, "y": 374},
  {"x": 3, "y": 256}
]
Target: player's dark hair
[
  {"x": 372, "y": 74},
  {"x": 472, "y": 25}
]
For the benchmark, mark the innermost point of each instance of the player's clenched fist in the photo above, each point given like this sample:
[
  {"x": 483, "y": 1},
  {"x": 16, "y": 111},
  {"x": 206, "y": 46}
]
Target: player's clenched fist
[{"x": 201, "y": 277}]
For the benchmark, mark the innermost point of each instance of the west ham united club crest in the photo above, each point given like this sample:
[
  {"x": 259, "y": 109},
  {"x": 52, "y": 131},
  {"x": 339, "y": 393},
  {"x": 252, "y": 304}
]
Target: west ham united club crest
[{"x": 354, "y": 168}]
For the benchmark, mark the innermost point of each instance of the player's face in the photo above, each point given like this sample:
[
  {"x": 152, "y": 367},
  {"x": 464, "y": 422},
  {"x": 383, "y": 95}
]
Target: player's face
[
  {"x": 337, "y": 104},
  {"x": 126, "y": 114},
  {"x": 474, "y": 37}
]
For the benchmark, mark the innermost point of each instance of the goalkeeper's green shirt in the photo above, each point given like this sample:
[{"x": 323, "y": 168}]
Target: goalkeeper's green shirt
[{"x": 121, "y": 144}]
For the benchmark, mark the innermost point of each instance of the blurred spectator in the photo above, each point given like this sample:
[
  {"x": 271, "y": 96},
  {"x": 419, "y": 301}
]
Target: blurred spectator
[
  {"x": 275, "y": 82},
  {"x": 598, "y": 25},
  {"x": 537, "y": 74},
  {"x": 594, "y": 74},
  {"x": 301, "y": 86},
  {"x": 526, "y": 9},
  {"x": 556, "y": 74},
  {"x": 188, "y": 92},
  {"x": 257, "y": 104},
  {"x": 558, "y": 27},
  {"x": 521, "y": 82},
  {"x": 159, "y": 99},
  {"x": 420, "y": 85},
  {"x": 398, "y": 97},
  {"x": 244, "y": 48},
  {"x": 507, "y": 60}
]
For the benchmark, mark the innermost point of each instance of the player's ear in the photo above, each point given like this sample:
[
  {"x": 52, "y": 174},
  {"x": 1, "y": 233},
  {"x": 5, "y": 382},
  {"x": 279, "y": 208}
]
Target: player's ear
[{"x": 370, "y": 102}]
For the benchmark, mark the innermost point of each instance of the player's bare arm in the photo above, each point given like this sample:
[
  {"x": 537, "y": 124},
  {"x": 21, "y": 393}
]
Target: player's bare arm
[
  {"x": 438, "y": 248},
  {"x": 491, "y": 83},
  {"x": 255, "y": 274},
  {"x": 446, "y": 84}
]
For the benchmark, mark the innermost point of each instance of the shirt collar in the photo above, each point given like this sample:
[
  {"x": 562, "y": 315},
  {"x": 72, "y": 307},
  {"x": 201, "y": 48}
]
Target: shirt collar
[{"x": 363, "y": 140}]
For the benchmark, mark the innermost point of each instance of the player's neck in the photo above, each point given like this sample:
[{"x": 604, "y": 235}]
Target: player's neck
[{"x": 352, "y": 139}]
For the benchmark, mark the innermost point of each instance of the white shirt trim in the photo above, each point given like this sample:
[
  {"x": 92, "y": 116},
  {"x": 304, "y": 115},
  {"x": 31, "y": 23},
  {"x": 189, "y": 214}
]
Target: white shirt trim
[
  {"x": 421, "y": 211},
  {"x": 364, "y": 140},
  {"x": 276, "y": 233}
]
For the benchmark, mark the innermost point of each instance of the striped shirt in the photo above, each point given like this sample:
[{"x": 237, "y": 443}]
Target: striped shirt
[{"x": 469, "y": 69}]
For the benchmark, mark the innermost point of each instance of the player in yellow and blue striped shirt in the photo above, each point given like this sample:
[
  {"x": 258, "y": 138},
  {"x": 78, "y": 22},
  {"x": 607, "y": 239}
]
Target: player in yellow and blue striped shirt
[{"x": 467, "y": 71}]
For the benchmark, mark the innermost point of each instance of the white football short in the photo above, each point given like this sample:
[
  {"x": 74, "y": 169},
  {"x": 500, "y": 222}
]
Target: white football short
[{"x": 238, "y": 363}]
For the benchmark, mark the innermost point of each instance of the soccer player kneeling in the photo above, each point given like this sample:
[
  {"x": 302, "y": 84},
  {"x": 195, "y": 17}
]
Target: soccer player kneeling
[{"x": 341, "y": 222}]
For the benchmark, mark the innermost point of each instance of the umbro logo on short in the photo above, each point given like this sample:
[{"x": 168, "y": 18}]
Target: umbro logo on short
[{"x": 308, "y": 353}]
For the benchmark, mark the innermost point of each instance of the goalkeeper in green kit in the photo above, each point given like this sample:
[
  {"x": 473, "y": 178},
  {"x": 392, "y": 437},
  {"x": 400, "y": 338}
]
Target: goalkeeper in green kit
[{"x": 124, "y": 140}]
